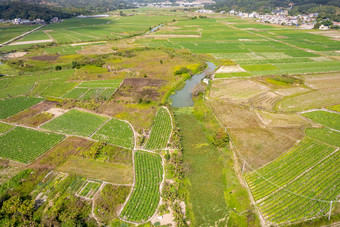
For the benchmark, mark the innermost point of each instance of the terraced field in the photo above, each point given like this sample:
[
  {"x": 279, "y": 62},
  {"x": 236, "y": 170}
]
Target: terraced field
[
  {"x": 298, "y": 185},
  {"x": 331, "y": 120},
  {"x": 145, "y": 197},
  {"x": 160, "y": 132}
]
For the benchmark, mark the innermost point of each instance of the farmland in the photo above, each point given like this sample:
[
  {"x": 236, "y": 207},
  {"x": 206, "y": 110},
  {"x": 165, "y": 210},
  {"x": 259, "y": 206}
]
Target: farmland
[
  {"x": 330, "y": 120},
  {"x": 161, "y": 131},
  {"x": 310, "y": 184},
  {"x": 14, "y": 105},
  {"x": 87, "y": 117},
  {"x": 76, "y": 122},
  {"x": 25, "y": 145},
  {"x": 116, "y": 132},
  {"x": 145, "y": 196}
]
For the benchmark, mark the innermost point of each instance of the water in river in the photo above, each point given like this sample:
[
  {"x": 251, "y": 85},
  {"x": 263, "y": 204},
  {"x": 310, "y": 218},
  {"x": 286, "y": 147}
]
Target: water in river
[{"x": 183, "y": 97}]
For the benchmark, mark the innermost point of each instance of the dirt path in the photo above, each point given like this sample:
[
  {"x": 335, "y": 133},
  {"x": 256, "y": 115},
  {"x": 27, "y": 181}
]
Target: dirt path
[
  {"x": 31, "y": 42},
  {"x": 20, "y": 36}
]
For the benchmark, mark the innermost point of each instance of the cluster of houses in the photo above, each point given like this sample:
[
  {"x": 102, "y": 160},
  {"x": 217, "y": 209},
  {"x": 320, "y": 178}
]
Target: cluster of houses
[
  {"x": 182, "y": 4},
  {"x": 25, "y": 21},
  {"x": 281, "y": 17}
]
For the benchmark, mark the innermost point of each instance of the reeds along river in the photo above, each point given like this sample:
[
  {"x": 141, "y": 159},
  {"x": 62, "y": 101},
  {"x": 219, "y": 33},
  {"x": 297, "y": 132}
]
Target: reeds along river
[{"x": 183, "y": 97}]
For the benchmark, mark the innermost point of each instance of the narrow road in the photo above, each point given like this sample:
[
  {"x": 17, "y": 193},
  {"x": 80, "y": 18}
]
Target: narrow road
[{"x": 20, "y": 36}]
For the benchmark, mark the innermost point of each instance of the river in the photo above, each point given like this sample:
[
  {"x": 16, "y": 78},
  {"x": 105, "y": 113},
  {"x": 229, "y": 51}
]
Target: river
[{"x": 183, "y": 97}]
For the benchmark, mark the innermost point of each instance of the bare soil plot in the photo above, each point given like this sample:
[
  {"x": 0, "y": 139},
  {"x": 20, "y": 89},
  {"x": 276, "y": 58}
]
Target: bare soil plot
[
  {"x": 265, "y": 100},
  {"x": 45, "y": 57},
  {"x": 237, "y": 90},
  {"x": 135, "y": 89},
  {"x": 230, "y": 69},
  {"x": 114, "y": 173},
  {"x": 60, "y": 153},
  {"x": 261, "y": 145},
  {"x": 234, "y": 116},
  {"x": 316, "y": 99},
  {"x": 35, "y": 115},
  {"x": 15, "y": 55},
  {"x": 329, "y": 80},
  {"x": 278, "y": 120},
  {"x": 291, "y": 91}
]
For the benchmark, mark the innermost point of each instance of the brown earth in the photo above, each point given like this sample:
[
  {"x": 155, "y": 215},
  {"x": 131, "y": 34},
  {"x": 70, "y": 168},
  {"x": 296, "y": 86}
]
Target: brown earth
[
  {"x": 45, "y": 57},
  {"x": 60, "y": 153},
  {"x": 139, "y": 90},
  {"x": 34, "y": 115}
]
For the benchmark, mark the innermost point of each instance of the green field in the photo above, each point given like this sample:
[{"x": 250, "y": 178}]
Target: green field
[
  {"x": 96, "y": 89},
  {"x": 8, "y": 32},
  {"x": 5, "y": 127},
  {"x": 90, "y": 189},
  {"x": 116, "y": 132},
  {"x": 324, "y": 134},
  {"x": 297, "y": 180},
  {"x": 331, "y": 120},
  {"x": 25, "y": 145},
  {"x": 12, "y": 106},
  {"x": 97, "y": 29},
  {"x": 160, "y": 132},
  {"x": 256, "y": 50},
  {"x": 145, "y": 196},
  {"x": 76, "y": 122}
]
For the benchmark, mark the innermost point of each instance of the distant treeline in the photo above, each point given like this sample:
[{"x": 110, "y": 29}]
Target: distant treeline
[
  {"x": 47, "y": 9},
  {"x": 325, "y": 8}
]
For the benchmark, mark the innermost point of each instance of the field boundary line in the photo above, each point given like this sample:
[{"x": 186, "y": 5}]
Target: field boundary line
[
  {"x": 297, "y": 177},
  {"x": 132, "y": 187},
  {"x": 104, "y": 123},
  {"x": 7, "y": 130},
  {"x": 21, "y": 36},
  {"x": 70, "y": 90}
]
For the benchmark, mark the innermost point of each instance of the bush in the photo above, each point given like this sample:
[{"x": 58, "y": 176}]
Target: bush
[
  {"x": 221, "y": 138},
  {"x": 183, "y": 70},
  {"x": 58, "y": 67}
]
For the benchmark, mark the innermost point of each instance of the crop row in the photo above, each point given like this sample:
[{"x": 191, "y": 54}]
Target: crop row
[
  {"x": 145, "y": 196},
  {"x": 276, "y": 174},
  {"x": 161, "y": 131},
  {"x": 25, "y": 145},
  {"x": 306, "y": 197}
]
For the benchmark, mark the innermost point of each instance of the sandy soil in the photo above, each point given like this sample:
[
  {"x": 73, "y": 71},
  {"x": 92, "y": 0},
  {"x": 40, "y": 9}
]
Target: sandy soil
[
  {"x": 230, "y": 69},
  {"x": 31, "y": 42},
  {"x": 56, "y": 111},
  {"x": 15, "y": 55},
  {"x": 166, "y": 219}
]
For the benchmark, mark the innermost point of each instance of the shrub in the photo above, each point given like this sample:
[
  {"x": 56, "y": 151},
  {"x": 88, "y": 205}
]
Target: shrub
[{"x": 221, "y": 138}]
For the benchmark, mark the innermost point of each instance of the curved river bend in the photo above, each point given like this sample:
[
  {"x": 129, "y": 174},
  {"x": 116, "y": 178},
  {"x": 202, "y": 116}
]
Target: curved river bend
[{"x": 183, "y": 98}]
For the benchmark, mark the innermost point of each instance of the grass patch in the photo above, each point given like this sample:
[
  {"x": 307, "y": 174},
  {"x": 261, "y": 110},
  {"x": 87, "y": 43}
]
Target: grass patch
[
  {"x": 324, "y": 134},
  {"x": 334, "y": 108},
  {"x": 231, "y": 75},
  {"x": 260, "y": 67},
  {"x": 25, "y": 145},
  {"x": 76, "y": 122},
  {"x": 5, "y": 127},
  {"x": 114, "y": 173},
  {"x": 331, "y": 120}
]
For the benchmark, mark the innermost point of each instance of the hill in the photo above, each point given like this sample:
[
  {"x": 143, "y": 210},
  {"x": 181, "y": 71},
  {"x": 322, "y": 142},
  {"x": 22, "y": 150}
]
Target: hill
[
  {"x": 326, "y": 8},
  {"x": 47, "y": 9}
]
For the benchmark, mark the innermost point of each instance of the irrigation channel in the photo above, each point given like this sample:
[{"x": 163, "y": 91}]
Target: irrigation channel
[{"x": 183, "y": 97}]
